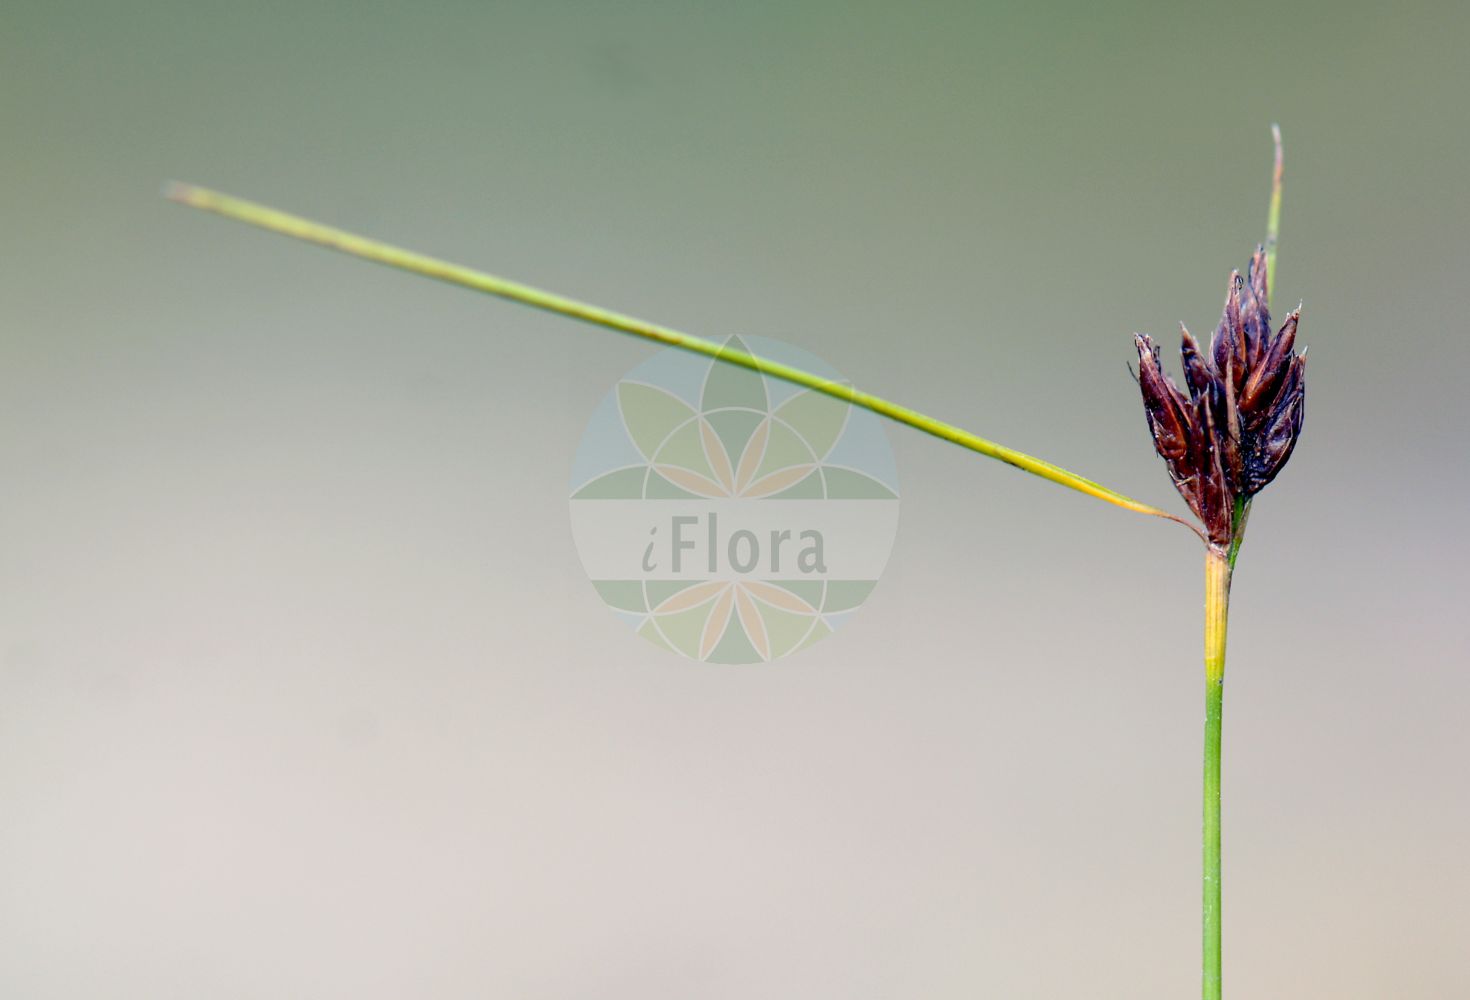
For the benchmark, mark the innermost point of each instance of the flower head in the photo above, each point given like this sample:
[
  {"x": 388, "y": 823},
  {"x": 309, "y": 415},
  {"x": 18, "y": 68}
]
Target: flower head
[{"x": 1235, "y": 428}]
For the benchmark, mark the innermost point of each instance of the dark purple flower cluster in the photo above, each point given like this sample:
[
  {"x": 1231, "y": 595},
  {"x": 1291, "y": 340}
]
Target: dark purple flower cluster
[{"x": 1242, "y": 416}]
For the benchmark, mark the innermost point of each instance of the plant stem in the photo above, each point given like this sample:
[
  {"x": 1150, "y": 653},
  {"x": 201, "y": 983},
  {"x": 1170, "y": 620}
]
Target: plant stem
[
  {"x": 296, "y": 227},
  {"x": 1273, "y": 210},
  {"x": 1219, "y": 568},
  {"x": 1219, "y": 565}
]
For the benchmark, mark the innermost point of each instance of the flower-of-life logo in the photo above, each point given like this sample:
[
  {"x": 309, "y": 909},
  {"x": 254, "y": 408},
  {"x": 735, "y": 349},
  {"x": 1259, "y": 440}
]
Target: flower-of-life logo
[{"x": 729, "y": 516}]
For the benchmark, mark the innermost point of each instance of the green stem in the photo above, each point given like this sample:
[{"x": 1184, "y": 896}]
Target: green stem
[
  {"x": 1219, "y": 569},
  {"x": 1217, "y": 612},
  {"x": 1273, "y": 211},
  {"x": 294, "y": 226}
]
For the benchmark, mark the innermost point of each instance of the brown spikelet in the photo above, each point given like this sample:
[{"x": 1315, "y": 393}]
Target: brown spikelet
[{"x": 1234, "y": 430}]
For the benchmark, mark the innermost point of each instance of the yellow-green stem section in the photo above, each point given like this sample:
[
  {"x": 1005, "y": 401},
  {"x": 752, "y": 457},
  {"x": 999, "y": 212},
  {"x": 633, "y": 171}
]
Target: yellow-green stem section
[
  {"x": 294, "y": 226},
  {"x": 1217, "y": 611}
]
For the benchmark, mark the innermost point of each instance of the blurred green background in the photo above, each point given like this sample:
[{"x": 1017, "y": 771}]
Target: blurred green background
[{"x": 302, "y": 689}]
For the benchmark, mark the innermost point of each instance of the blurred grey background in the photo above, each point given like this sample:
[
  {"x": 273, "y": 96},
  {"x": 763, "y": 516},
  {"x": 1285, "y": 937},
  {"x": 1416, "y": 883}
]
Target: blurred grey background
[{"x": 303, "y": 692}]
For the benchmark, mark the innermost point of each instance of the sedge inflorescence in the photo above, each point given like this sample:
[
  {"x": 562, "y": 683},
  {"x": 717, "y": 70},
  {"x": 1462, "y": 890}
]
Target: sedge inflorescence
[{"x": 1228, "y": 436}]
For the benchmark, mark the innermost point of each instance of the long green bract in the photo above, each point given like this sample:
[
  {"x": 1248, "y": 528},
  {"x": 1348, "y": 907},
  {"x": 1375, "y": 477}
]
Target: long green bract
[{"x": 300, "y": 228}]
